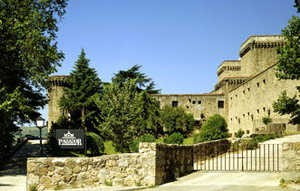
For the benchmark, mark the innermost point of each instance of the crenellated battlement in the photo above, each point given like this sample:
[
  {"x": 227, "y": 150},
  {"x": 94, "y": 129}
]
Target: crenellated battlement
[
  {"x": 261, "y": 41},
  {"x": 59, "y": 80}
]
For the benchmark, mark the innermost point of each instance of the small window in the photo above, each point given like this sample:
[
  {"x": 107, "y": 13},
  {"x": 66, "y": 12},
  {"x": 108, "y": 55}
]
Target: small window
[
  {"x": 199, "y": 102},
  {"x": 220, "y": 104},
  {"x": 244, "y": 92},
  {"x": 264, "y": 81},
  {"x": 248, "y": 89},
  {"x": 247, "y": 132},
  {"x": 194, "y": 102},
  {"x": 174, "y": 103},
  {"x": 257, "y": 84},
  {"x": 257, "y": 111},
  {"x": 264, "y": 109}
]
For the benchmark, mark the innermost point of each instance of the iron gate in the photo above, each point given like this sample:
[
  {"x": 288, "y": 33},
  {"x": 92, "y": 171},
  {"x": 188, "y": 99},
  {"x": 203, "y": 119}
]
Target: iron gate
[{"x": 267, "y": 157}]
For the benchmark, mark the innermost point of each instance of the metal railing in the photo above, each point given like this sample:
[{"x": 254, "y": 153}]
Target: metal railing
[{"x": 266, "y": 157}]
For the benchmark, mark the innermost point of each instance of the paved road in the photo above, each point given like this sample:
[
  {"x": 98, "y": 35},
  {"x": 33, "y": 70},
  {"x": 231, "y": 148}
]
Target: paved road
[{"x": 13, "y": 174}]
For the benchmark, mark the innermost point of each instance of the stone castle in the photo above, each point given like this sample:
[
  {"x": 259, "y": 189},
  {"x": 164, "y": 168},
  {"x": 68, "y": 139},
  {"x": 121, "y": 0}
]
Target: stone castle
[{"x": 243, "y": 95}]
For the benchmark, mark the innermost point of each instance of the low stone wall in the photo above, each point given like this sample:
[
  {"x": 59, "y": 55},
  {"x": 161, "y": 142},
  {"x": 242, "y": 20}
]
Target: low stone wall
[
  {"x": 209, "y": 149},
  {"x": 83, "y": 172},
  {"x": 173, "y": 161},
  {"x": 154, "y": 164},
  {"x": 291, "y": 162}
]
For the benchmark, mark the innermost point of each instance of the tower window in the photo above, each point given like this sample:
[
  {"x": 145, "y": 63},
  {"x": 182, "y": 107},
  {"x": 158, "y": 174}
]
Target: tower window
[
  {"x": 220, "y": 104},
  {"x": 174, "y": 103}
]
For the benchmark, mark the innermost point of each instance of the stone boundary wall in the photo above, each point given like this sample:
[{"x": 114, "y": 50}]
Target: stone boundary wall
[
  {"x": 210, "y": 149},
  {"x": 172, "y": 162},
  {"x": 291, "y": 162},
  {"x": 155, "y": 164}
]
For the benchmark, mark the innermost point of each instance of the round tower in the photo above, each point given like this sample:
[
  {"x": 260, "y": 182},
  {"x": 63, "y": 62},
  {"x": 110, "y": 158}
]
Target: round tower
[{"x": 55, "y": 92}]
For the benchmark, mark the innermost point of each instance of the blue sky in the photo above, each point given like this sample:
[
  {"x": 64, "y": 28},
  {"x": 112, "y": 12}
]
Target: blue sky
[{"x": 179, "y": 43}]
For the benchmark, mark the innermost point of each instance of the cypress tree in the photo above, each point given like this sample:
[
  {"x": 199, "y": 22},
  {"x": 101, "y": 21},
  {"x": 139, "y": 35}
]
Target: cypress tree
[{"x": 83, "y": 86}]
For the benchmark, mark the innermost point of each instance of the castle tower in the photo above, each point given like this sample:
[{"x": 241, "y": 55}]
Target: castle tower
[{"x": 55, "y": 92}]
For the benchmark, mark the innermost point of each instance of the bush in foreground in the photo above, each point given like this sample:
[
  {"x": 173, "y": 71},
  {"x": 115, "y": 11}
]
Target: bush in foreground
[
  {"x": 214, "y": 128},
  {"x": 174, "y": 138}
]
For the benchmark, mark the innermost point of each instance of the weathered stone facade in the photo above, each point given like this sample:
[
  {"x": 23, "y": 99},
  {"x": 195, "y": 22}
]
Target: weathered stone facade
[
  {"x": 55, "y": 92},
  {"x": 154, "y": 164},
  {"x": 291, "y": 162},
  {"x": 200, "y": 105},
  {"x": 247, "y": 86}
]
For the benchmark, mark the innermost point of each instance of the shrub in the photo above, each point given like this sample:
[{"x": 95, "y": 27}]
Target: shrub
[
  {"x": 134, "y": 147},
  {"x": 239, "y": 133},
  {"x": 94, "y": 143},
  {"x": 266, "y": 120},
  {"x": 174, "y": 138},
  {"x": 214, "y": 128},
  {"x": 249, "y": 144},
  {"x": 175, "y": 119}
]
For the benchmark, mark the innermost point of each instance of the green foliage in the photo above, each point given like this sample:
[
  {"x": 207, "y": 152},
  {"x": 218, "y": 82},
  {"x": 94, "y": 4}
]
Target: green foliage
[
  {"x": 142, "y": 81},
  {"x": 286, "y": 105},
  {"x": 174, "y": 119},
  {"x": 289, "y": 67},
  {"x": 83, "y": 86},
  {"x": 264, "y": 137},
  {"x": 297, "y": 5},
  {"x": 266, "y": 120},
  {"x": 125, "y": 113},
  {"x": 33, "y": 187},
  {"x": 28, "y": 56},
  {"x": 289, "y": 54},
  {"x": 95, "y": 143},
  {"x": 214, "y": 128},
  {"x": 134, "y": 147},
  {"x": 239, "y": 133},
  {"x": 174, "y": 138}
]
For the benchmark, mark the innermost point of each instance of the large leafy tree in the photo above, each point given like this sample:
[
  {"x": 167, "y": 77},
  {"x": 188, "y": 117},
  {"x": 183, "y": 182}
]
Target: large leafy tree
[
  {"x": 126, "y": 113},
  {"x": 142, "y": 81},
  {"x": 289, "y": 67},
  {"x": 83, "y": 86},
  {"x": 119, "y": 111},
  {"x": 28, "y": 55}
]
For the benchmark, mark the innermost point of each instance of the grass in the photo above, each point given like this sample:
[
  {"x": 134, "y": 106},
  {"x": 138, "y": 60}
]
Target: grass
[
  {"x": 188, "y": 141},
  {"x": 109, "y": 148}
]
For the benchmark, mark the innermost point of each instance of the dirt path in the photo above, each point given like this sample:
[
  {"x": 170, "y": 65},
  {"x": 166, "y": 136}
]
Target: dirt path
[{"x": 13, "y": 174}]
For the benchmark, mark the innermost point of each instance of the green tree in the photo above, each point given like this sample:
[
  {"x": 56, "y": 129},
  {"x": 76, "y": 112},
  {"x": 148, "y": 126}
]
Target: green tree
[
  {"x": 78, "y": 101},
  {"x": 142, "y": 81},
  {"x": 120, "y": 111},
  {"x": 286, "y": 105},
  {"x": 214, "y": 128},
  {"x": 28, "y": 56},
  {"x": 174, "y": 119},
  {"x": 289, "y": 67}
]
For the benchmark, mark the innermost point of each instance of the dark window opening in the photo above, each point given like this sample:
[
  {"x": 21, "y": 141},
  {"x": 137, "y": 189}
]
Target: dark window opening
[
  {"x": 220, "y": 104},
  {"x": 257, "y": 85},
  {"x": 174, "y": 103},
  {"x": 264, "y": 81},
  {"x": 247, "y": 132},
  {"x": 199, "y": 102},
  {"x": 194, "y": 102}
]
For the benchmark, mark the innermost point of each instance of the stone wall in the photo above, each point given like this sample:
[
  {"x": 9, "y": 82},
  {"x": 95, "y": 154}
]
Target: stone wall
[
  {"x": 173, "y": 161},
  {"x": 201, "y": 106},
  {"x": 84, "y": 172},
  {"x": 253, "y": 100},
  {"x": 154, "y": 164},
  {"x": 210, "y": 149},
  {"x": 291, "y": 162}
]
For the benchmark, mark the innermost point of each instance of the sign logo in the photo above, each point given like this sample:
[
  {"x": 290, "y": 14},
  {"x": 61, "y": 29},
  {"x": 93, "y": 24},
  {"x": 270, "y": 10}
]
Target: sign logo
[{"x": 70, "y": 138}]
